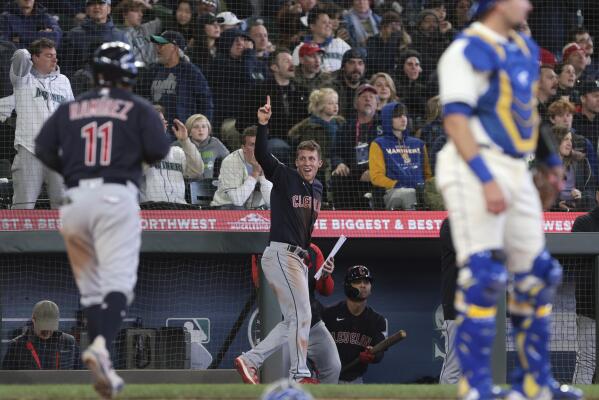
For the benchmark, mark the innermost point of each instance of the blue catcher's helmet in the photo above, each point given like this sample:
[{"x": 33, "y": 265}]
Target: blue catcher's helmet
[
  {"x": 286, "y": 390},
  {"x": 479, "y": 7},
  {"x": 116, "y": 63}
]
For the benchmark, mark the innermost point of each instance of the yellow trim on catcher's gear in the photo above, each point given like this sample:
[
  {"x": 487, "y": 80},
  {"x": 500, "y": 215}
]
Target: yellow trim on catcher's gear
[
  {"x": 478, "y": 312},
  {"x": 531, "y": 387},
  {"x": 520, "y": 339},
  {"x": 544, "y": 311},
  {"x": 506, "y": 117},
  {"x": 463, "y": 387}
]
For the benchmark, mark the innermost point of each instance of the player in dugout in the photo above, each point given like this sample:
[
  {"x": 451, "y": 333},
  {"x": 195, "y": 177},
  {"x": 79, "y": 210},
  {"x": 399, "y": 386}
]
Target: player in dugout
[{"x": 355, "y": 327}]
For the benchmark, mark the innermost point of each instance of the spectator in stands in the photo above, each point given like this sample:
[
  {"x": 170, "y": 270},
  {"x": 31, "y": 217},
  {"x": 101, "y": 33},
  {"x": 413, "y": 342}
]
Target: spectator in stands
[
  {"x": 350, "y": 177},
  {"x": 39, "y": 88},
  {"x": 586, "y": 123},
  {"x": 585, "y": 292},
  {"x": 322, "y": 34},
  {"x": 548, "y": 84},
  {"x": 203, "y": 50},
  {"x": 338, "y": 25},
  {"x": 174, "y": 82},
  {"x": 183, "y": 22},
  {"x": 290, "y": 20},
  {"x": 210, "y": 148},
  {"x": 41, "y": 346},
  {"x": 566, "y": 81},
  {"x": 432, "y": 132},
  {"x": 138, "y": 33},
  {"x": 383, "y": 49},
  {"x": 349, "y": 79},
  {"x": 241, "y": 182},
  {"x": 309, "y": 75},
  {"x": 575, "y": 55},
  {"x": 461, "y": 14},
  {"x": 163, "y": 182},
  {"x": 288, "y": 101},
  {"x": 430, "y": 41},
  {"x": 259, "y": 35},
  {"x": 561, "y": 114},
  {"x": 80, "y": 42},
  {"x": 579, "y": 181},
  {"x": 25, "y": 21},
  {"x": 385, "y": 88},
  {"x": 227, "y": 20},
  {"x": 207, "y": 7},
  {"x": 362, "y": 23},
  {"x": 412, "y": 92},
  {"x": 397, "y": 161},
  {"x": 232, "y": 77},
  {"x": 322, "y": 125},
  {"x": 439, "y": 8},
  {"x": 583, "y": 38}
]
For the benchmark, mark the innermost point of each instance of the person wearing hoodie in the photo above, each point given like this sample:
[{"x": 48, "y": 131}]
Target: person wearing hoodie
[
  {"x": 25, "y": 21},
  {"x": 397, "y": 161},
  {"x": 210, "y": 148},
  {"x": 80, "y": 42},
  {"x": 232, "y": 76},
  {"x": 39, "y": 88}
]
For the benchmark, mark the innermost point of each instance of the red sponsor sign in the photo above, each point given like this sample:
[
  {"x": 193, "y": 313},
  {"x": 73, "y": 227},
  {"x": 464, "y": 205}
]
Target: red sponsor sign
[{"x": 365, "y": 224}]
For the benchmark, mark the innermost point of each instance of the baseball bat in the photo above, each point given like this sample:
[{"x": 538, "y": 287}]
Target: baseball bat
[{"x": 381, "y": 346}]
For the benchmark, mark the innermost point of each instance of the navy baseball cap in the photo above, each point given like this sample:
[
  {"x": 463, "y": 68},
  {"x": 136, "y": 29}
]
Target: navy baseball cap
[
  {"x": 481, "y": 6},
  {"x": 171, "y": 37},
  {"x": 88, "y": 2},
  {"x": 589, "y": 87}
]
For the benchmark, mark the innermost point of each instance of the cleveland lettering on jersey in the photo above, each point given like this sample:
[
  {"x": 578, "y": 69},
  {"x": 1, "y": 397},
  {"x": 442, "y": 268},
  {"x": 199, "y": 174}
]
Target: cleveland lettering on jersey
[
  {"x": 352, "y": 338},
  {"x": 299, "y": 201},
  {"x": 100, "y": 107}
]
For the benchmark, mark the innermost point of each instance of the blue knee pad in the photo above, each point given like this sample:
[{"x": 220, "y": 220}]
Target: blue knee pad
[
  {"x": 531, "y": 296},
  {"x": 480, "y": 284},
  {"x": 484, "y": 279},
  {"x": 537, "y": 287}
]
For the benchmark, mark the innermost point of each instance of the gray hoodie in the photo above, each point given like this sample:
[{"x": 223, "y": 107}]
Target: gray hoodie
[{"x": 211, "y": 149}]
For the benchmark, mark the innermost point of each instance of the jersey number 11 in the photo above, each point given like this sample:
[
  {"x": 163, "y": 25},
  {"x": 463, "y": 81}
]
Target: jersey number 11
[{"x": 91, "y": 133}]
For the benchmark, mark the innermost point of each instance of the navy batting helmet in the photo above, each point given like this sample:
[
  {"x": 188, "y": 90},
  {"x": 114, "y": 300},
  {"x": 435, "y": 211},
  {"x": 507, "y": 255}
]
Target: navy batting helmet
[
  {"x": 355, "y": 273},
  {"x": 116, "y": 63}
]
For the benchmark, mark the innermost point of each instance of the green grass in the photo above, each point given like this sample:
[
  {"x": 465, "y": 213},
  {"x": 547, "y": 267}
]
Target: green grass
[{"x": 241, "y": 392}]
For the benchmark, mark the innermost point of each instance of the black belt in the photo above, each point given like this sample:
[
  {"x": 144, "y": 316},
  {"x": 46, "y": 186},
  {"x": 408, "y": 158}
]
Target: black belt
[
  {"x": 297, "y": 250},
  {"x": 118, "y": 181}
]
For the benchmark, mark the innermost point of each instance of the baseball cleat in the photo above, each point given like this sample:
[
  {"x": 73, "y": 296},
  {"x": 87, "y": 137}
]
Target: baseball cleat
[
  {"x": 309, "y": 381},
  {"x": 106, "y": 381},
  {"x": 565, "y": 391},
  {"x": 248, "y": 374}
]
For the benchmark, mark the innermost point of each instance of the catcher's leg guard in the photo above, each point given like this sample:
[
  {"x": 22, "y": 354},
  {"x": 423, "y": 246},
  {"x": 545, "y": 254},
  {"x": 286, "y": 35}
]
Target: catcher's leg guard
[
  {"x": 531, "y": 295},
  {"x": 479, "y": 285}
]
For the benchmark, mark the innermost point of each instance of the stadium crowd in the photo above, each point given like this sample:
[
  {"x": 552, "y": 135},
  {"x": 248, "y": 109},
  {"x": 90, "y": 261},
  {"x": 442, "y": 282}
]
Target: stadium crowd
[{"x": 339, "y": 72}]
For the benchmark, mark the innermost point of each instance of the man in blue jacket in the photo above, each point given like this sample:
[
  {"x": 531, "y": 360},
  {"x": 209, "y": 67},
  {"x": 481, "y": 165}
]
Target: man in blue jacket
[
  {"x": 174, "y": 82},
  {"x": 80, "y": 42},
  {"x": 25, "y": 21}
]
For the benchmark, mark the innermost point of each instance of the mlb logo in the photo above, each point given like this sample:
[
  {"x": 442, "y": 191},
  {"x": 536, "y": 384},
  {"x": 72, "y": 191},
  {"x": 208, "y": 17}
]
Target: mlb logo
[{"x": 199, "y": 328}]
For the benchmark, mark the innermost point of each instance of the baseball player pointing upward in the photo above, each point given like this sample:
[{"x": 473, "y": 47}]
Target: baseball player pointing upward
[
  {"x": 295, "y": 203},
  {"x": 494, "y": 208},
  {"x": 98, "y": 143}
]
